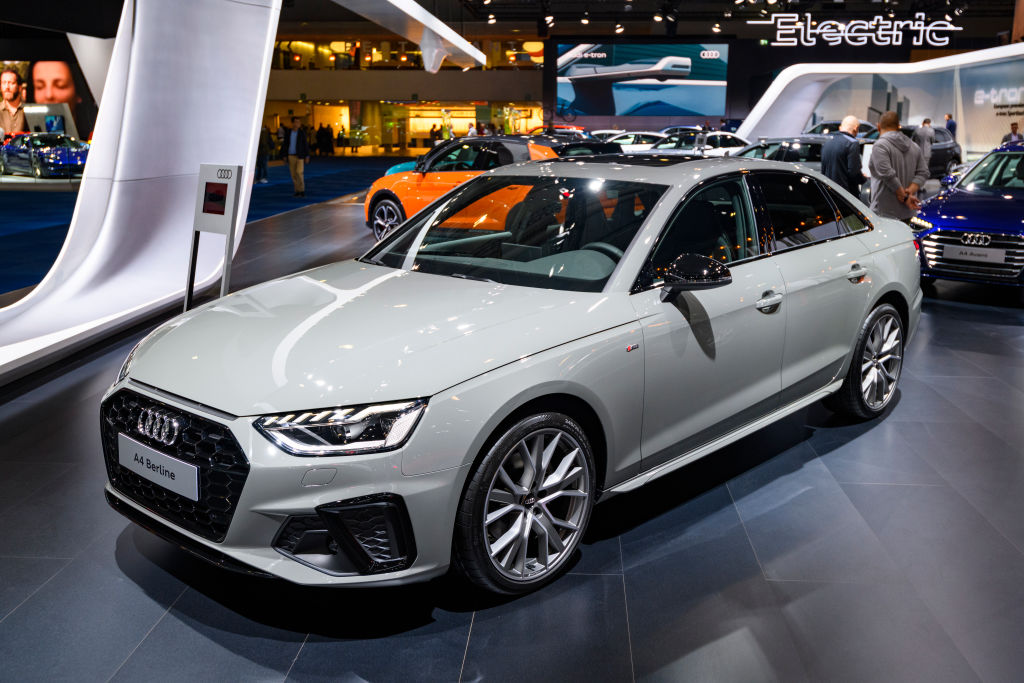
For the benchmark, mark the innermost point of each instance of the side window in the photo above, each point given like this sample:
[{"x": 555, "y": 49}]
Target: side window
[
  {"x": 713, "y": 141},
  {"x": 715, "y": 222},
  {"x": 855, "y": 221},
  {"x": 730, "y": 141},
  {"x": 942, "y": 135},
  {"x": 799, "y": 212},
  {"x": 459, "y": 158}
]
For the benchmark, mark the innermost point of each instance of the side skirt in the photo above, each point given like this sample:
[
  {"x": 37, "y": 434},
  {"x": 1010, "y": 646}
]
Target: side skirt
[{"x": 722, "y": 441}]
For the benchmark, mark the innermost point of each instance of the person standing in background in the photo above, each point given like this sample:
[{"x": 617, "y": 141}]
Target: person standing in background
[
  {"x": 472, "y": 130},
  {"x": 951, "y": 125},
  {"x": 263, "y": 148},
  {"x": 12, "y": 105},
  {"x": 296, "y": 146},
  {"x": 897, "y": 169},
  {"x": 924, "y": 136},
  {"x": 1013, "y": 135},
  {"x": 840, "y": 156}
]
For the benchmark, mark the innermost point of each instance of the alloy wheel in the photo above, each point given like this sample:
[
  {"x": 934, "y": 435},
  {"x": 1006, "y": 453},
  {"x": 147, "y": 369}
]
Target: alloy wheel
[
  {"x": 385, "y": 218},
  {"x": 537, "y": 503},
  {"x": 881, "y": 362}
]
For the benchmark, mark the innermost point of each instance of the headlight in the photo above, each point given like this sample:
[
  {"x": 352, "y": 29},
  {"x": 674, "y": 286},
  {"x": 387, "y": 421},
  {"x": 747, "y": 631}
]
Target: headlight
[
  {"x": 921, "y": 223},
  {"x": 126, "y": 366},
  {"x": 343, "y": 431}
]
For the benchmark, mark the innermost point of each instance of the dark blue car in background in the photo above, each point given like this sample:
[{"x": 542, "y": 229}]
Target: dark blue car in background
[
  {"x": 974, "y": 229},
  {"x": 44, "y": 155}
]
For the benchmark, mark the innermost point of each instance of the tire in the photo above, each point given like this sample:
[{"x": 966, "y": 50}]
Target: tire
[
  {"x": 877, "y": 361},
  {"x": 505, "y": 488},
  {"x": 37, "y": 169},
  {"x": 3, "y": 166},
  {"x": 385, "y": 216}
]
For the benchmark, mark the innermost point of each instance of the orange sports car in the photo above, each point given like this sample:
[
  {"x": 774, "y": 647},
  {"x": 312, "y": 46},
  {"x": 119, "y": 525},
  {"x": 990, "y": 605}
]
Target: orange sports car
[{"x": 396, "y": 196}]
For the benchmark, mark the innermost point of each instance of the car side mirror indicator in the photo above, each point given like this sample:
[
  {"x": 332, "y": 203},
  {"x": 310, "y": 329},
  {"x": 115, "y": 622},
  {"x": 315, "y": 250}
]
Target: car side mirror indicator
[{"x": 691, "y": 272}]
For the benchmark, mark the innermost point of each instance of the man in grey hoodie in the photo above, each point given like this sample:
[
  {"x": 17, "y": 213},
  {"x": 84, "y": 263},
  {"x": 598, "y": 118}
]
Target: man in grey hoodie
[{"x": 898, "y": 171}]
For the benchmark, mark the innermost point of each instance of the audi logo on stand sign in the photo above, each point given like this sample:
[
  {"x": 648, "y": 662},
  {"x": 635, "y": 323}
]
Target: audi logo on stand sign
[
  {"x": 224, "y": 174},
  {"x": 710, "y": 54},
  {"x": 158, "y": 425},
  {"x": 975, "y": 239}
]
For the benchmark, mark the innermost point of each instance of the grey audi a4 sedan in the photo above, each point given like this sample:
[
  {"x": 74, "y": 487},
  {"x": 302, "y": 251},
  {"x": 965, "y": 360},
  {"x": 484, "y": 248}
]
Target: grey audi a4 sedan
[{"x": 542, "y": 337}]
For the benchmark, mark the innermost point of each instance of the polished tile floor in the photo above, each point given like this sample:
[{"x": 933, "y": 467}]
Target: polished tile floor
[{"x": 813, "y": 550}]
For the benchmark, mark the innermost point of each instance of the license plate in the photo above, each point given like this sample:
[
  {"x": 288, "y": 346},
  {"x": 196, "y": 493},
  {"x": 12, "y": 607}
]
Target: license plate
[
  {"x": 980, "y": 254},
  {"x": 163, "y": 470}
]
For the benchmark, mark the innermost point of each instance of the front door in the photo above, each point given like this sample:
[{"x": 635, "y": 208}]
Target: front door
[{"x": 711, "y": 357}]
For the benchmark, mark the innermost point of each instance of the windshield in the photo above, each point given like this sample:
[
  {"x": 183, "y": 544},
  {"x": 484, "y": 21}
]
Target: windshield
[
  {"x": 47, "y": 141},
  {"x": 687, "y": 139},
  {"x": 998, "y": 171},
  {"x": 548, "y": 232}
]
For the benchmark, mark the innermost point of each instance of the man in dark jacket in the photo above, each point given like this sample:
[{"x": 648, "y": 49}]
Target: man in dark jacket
[
  {"x": 296, "y": 147},
  {"x": 840, "y": 157}
]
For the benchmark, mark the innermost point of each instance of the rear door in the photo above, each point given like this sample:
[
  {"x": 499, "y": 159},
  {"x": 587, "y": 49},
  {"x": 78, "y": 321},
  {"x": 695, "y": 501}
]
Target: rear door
[
  {"x": 825, "y": 269},
  {"x": 712, "y": 357}
]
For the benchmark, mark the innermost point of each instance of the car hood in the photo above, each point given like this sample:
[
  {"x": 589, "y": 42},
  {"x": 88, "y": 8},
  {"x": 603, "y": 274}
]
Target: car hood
[
  {"x": 977, "y": 210},
  {"x": 353, "y": 333}
]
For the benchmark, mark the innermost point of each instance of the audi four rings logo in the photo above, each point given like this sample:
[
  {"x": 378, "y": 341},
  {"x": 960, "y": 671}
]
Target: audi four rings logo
[
  {"x": 976, "y": 239},
  {"x": 159, "y": 426},
  {"x": 224, "y": 174},
  {"x": 710, "y": 54}
]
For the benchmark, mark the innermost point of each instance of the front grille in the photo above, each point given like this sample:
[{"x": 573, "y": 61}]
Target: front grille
[
  {"x": 208, "y": 445},
  {"x": 932, "y": 247}
]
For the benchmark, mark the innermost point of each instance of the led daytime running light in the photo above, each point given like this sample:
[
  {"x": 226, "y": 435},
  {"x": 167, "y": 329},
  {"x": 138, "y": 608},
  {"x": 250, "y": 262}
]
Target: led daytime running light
[{"x": 343, "y": 431}]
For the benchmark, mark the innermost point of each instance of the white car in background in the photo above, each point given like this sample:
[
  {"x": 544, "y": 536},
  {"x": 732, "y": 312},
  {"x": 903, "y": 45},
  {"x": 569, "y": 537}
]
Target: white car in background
[
  {"x": 699, "y": 143},
  {"x": 636, "y": 141}
]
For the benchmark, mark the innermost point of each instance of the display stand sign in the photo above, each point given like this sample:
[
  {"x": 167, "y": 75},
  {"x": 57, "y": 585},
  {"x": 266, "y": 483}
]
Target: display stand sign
[{"x": 216, "y": 211}]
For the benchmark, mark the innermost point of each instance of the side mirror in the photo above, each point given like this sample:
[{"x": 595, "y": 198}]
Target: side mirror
[
  {"x": 691, "y": 272},
  {"x": 948, "y": 180},
  {"x": 421, "y": 165}
]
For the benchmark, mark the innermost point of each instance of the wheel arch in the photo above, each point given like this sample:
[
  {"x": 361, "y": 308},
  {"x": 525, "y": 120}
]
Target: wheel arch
[
  {"x": 572, "y": 405},
  {"x": 377, "y": 196}
]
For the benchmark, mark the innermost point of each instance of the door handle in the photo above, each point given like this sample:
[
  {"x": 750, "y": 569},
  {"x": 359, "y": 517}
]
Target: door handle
[
  {"x": 769, "y": 302},
  {"x": 857, "y": 273}
]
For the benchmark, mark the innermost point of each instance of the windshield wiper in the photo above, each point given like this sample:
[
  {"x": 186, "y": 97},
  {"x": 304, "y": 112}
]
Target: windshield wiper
[{"x": 463, "y": 276}]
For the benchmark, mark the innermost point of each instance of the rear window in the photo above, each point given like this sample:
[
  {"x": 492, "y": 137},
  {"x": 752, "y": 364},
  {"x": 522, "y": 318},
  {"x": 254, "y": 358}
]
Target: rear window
[{"x": 798, "y": 210}]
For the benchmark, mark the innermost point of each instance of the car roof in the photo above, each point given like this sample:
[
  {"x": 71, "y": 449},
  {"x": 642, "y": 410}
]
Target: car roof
[
  {"x": 809, "y": 137},
  {"x": 1010, "y": 147},
  {"x": 676, "y": 170},
  {"x": 641, "y": 132}
]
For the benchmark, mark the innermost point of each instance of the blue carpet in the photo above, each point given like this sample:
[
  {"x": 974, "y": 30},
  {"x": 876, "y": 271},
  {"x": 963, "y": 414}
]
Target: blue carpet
[{"x": 33, "y": 225}]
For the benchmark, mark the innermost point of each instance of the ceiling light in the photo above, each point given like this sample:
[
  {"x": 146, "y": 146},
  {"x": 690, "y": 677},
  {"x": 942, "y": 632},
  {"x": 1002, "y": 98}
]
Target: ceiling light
[
  {"x": 670, "y": 16},
  {"x": 491, "y": 19},
  {"x": 716, "y": 28},
  {"x": 585, "y": 19},
  {"x": 948, "y": 18},
  {"x": 958, "y": 11},
  {"x": 550, "y": 19},
  {"x": 487, "y": 2},
  {"x": 764, "y": 12},
  {"x": 727, "y": 14},
  {"x": 618, "y": 28},
  {"x": 771, "y": 2},
  {"x": 658, "y": 17}
]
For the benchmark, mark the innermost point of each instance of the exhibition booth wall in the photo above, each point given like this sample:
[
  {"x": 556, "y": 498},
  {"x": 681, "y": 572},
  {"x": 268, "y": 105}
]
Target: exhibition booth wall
[
  {"x": 126, "y": 254},
  {"x": 981, "y": 89}
]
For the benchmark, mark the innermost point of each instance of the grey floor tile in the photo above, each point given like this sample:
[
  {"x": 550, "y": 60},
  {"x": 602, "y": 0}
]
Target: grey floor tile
[
  {"x": 699, "y": 607},
  {"x": 201, "y": 639},
  {"x": 857, "y": 632},
  {"x": 550, "y": 635},
  {"x": 20, "y": 577},
  {"x": 802, "y": 525},
  {"x": 968, "y": 574},
  {"x": 917, "y": 401},
  {"x": 21, "y": 480},
  {"x": 987, "y": 401},
  {"x": 872, "y": 452},
  {"x": 97, "y": 609}
]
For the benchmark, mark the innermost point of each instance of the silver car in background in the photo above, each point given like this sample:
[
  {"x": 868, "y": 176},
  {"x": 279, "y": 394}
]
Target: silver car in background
[{"x": 544, "y": 336}]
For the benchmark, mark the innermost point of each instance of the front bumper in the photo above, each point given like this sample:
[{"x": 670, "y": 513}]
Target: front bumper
[{"x": 313, "y": 521}]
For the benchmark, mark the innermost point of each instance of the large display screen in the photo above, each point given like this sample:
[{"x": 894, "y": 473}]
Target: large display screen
[
  {"x": 44, "y": 72},
  {"x": 641, "y": 79}
]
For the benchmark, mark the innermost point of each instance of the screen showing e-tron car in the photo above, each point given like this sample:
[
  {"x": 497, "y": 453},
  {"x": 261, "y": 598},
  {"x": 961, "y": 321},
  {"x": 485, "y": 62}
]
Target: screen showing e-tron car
[{"x": 641, "y": 79}]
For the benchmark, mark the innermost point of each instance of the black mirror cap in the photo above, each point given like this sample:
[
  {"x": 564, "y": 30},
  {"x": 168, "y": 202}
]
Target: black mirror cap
[{"x": 691, "y": 272}]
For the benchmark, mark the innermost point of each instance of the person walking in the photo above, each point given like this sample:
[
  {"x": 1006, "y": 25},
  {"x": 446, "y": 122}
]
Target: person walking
[
  {"x": 296, "y": 146},
  {"x": 951, "y": 125},
  {"x": 1013, "y": 135},
  {"x": 897, "y": 170},
  {"x": 840, "y": 156},
  {"x": 924, "y": 136},
  {"x": 263, "y": 148}
]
